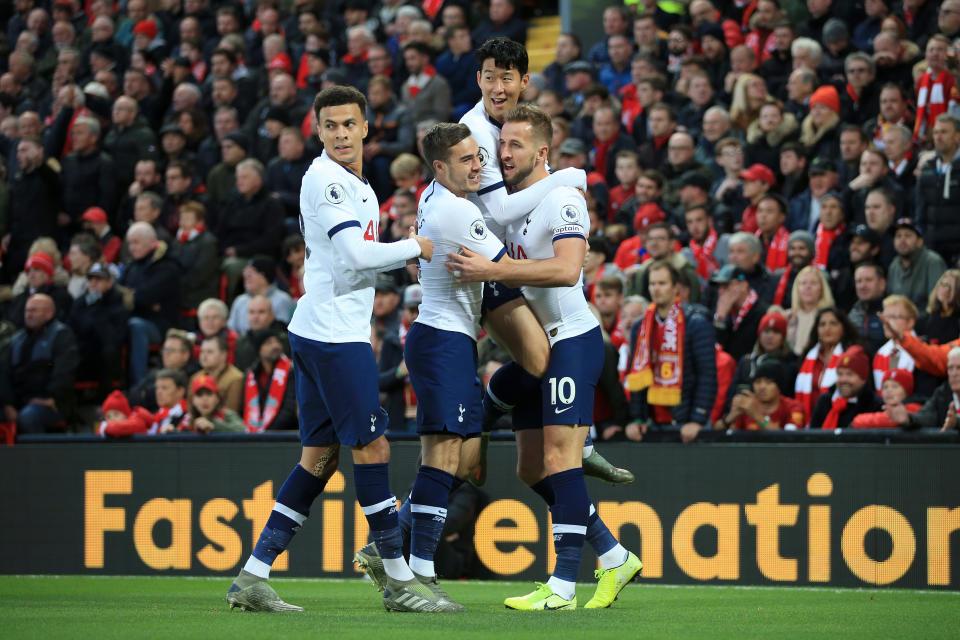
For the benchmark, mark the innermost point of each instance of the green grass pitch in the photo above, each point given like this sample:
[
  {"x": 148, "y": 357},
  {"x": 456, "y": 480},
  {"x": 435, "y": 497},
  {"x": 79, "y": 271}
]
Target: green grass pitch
[{"x": 183, "y": 608}]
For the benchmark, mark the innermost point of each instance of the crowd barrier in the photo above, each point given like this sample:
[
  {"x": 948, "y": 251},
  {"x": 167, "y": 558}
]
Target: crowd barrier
[{"x": 821, "y": 510}]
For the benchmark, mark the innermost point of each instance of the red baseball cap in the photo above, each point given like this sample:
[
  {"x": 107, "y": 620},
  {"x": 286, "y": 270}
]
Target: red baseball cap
[
  {"x": 203, "y": 381},
  {"x": 95, "y": 215},
  {"x": 759, "y": 172},
  {"x": 773, "y": 320},
  {"x": 281, "y": 62},
  {"x": 646, "y": 215}
]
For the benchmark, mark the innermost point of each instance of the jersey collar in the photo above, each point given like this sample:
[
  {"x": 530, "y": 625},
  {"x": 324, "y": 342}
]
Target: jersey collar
[
  {"x": 332, "y": 161},
  {"x": 498, "y": 125}
]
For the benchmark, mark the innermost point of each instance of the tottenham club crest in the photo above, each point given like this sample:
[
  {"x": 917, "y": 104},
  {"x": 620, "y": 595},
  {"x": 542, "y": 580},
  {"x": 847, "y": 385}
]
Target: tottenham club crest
[
  {"x": 483, "y": 155},
  {"x": 478, "y": 230},
  {"x": 335, "y": 193},
  {"x": 571, "y": 213}
]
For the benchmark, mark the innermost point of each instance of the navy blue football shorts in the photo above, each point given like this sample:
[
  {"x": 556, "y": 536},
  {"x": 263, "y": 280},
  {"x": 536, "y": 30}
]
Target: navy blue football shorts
[
  {"x": 337, "y": 393},
  {"x": 443, "y": 372},
  {"x": 569, "y": 385},
  {"x": 496, "y": 294}
]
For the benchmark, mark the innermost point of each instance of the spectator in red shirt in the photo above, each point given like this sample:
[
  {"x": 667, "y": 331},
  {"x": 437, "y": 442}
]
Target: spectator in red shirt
[
  {"x": 95, "y": 220},
  {"x": 761, "y": 406},
  {"x": 757, "y": 182},
  {"x": 627, "y": 169},
  {"x": 897, "y": 388},
  {"x": 120, "y": 420}
]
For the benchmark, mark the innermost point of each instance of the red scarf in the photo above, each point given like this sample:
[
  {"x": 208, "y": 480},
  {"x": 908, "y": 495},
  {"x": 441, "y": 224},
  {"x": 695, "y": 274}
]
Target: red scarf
[
  {"x": 782, "y": 286},
  {"x": 168, "y": 415},
  {"x": 658, "y": 357},
  {"x": 853, "y": 94},
  {"x": 881, "y": 129},
  {"x": 898, "y": 168},
  {"x": 777, "y": 249},
  {"x": 349, "y": 58},
  {"x": 187, "y": 236},
  {"x": 600, "y": 155},
  {"x": 804, "y": 385},
  {"x": 935, "y": 96},
  {"x": 839, "y": 406},
  {"x": 659, "y": 141},
  {"x": 748, "y": 221},
  {"x": 417, "y": 82},
  {"x": 745, "y": 308},
  {"x": 703, "y": 254},
  {"x": 881, "y": 362},
  {"x": 257, "y": 418},
  {"x": 199, "y": 70},
  {"x": 824, "y": 241}
]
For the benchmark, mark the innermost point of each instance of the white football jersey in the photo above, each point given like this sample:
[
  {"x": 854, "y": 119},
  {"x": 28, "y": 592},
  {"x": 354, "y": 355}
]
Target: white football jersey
[
  {"x": 338, "y": 293},
  {"x": 490, "y": 197},
  {"x": 562, "y": 311},
  {"x": 451, "y": 223}
]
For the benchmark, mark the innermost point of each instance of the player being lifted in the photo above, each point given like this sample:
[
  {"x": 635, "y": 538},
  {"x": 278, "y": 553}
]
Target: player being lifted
[
  {"x": 502, "y": 78},
  {"x": 546, "y": 250},
  {"x": 336, "y": 374}
]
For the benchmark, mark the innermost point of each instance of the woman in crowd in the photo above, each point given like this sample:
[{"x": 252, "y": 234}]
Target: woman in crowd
[
  {"x": 830, "y": 336},
  {"x": 941, "y": 323},
  {"x": 207, "y": 413},
  {"x": 749, "y": 96},
  {"x": 811, "y": 293}
]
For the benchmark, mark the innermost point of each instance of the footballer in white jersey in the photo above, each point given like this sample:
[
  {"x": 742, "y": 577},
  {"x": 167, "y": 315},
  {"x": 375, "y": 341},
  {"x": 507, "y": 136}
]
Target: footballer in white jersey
[
  {"x": 338, "y": 298},
  {"x": 451, "y": 222},
  {"x": 492, "y": 192},
  {"x": 335, "y": 371},
  {"x": 563, "y": 311},
  {"x": 441, "y": 349},
  {"x": 548, "y": 247}
]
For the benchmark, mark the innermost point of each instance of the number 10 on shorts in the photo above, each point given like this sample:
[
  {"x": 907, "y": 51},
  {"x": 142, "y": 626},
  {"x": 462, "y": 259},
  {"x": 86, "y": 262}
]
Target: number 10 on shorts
[{"x": 565, "y": 390}]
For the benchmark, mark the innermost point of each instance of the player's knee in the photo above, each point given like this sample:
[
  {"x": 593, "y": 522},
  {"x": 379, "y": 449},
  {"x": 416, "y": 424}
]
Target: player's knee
[
  {"x": 374, "y": 452},
  {"x": 529, "y": 471},
  {"x": 555, "y": 460}
]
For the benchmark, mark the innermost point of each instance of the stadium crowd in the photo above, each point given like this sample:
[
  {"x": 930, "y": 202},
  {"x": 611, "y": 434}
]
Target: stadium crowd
[{"x": 773, "y": 188}]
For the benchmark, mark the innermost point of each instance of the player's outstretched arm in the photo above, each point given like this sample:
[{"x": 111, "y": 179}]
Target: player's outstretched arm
[
  {"x": 361, "y": 254},
  {"x": 562, "y": 270},
  {"x": 516, "y": 205}
]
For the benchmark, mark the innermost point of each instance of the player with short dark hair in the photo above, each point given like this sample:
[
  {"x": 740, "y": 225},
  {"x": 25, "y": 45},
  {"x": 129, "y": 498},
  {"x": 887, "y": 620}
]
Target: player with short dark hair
[
  {"x": 336, "y": 372},
  {"x": 441, "y": 347},
  {"x": 502, "y": 77}
]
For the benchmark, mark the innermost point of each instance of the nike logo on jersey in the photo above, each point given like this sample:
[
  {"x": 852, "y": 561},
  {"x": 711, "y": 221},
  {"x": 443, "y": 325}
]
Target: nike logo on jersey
[
  {"x": 559, "y": 411},
  {"x": 365, "y": 199}
]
